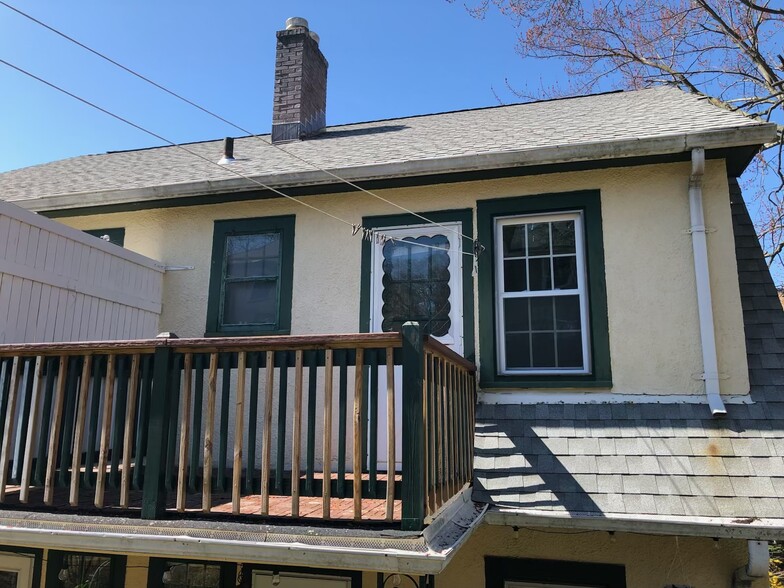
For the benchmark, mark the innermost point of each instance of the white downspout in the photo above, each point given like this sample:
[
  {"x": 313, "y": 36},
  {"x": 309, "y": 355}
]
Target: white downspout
[{"x": 699, "y": 242}]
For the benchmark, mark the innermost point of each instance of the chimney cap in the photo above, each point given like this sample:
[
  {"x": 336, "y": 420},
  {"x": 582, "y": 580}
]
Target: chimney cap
[{"x": 296, "y": 21}]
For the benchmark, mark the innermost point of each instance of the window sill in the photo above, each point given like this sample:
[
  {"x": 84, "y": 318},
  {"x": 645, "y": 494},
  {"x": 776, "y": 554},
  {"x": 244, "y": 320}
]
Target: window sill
[
  {"x": 517, "y": 383},
  {"x": 246, "y": 333}
]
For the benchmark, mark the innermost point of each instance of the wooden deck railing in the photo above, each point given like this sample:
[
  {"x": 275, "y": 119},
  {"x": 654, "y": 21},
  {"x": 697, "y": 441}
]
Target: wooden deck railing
[{"x": 251, "y": 425}]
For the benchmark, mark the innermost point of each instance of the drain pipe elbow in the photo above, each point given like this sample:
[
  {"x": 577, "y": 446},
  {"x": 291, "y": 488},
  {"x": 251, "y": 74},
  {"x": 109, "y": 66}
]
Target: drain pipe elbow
[
  {"x": 710, "y": 367},
  {"x": 759, "y": 562}
]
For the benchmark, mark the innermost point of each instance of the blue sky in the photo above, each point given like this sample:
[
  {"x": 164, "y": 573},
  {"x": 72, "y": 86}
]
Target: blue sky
[{"x": 386, "y": 60}]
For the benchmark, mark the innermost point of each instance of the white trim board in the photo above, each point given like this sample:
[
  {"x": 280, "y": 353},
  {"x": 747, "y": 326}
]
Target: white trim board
[
  {"x": 714, "y": 527},
  {"x": 539, "y": 397}
]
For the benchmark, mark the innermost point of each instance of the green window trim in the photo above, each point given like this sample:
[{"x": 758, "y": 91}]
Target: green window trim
[
  {"x": 500, "y": 570},
  {"x": 589, "y": 204},
  {"x": 282, "y": 225},
  {"x": 116, "y": 235},
  {"x": 465, "y": 218},
  {"x": 54, "y": 563}
]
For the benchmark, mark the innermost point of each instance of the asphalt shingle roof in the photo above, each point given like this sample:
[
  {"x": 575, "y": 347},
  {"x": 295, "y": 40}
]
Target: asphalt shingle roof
[
  {"x": 639, "y": 115},
  {"x": 653, "y": 459}
]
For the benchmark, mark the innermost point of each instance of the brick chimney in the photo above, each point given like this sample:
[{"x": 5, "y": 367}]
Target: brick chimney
[{"x": 300, "y": 103}]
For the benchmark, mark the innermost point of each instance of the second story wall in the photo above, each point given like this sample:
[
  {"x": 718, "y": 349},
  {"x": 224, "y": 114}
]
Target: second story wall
[{"x": 652, "y": 323}]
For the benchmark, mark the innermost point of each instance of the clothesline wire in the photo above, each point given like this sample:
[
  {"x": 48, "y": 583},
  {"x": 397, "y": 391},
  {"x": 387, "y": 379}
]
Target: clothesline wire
[
  {"x": 228, "y": 122},
  {"x": 126, "y": 121}
]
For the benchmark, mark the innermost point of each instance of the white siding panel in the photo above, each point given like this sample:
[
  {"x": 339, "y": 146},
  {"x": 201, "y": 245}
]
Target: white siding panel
[
  {"x": 43, "y": 303},
  {"x": 24, "y": 307},
  {"x": 40, "y": 254},
  {"x": 59, "y": 284}
]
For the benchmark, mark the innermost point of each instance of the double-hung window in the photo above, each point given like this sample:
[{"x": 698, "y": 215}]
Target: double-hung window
[
  {"x": 542, "y": 296},
  {"x": 542, "y": 299},
  {"x": 251, "y": 276}
]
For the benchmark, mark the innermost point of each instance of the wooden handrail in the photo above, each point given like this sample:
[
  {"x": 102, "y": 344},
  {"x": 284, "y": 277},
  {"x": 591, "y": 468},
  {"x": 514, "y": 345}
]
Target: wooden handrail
[
  {"x": 80, "y": 348},
  {"x": 440, "y": 350},
  {"x": 207, "y": 344},
  {"x": 288, "y": 342}
]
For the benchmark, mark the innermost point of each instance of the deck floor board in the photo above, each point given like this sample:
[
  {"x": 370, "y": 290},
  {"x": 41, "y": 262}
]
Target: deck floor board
[{"x": 310, "y": 507}]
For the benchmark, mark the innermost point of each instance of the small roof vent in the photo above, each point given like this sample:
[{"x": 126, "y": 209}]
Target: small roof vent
[{"x": 228, "y": 151}]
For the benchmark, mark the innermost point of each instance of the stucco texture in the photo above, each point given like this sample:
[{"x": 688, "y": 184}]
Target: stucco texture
[
  {"x": 650, "y": 561},
  {"x": 652, "y": 304}
]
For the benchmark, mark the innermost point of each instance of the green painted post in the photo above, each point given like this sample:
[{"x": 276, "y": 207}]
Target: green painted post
[
  {"x": 413, "y": 515},
  {"x": 154, "y": 493}
]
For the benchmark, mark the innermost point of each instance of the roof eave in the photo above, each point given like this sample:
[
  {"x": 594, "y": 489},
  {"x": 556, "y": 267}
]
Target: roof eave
[
  {"x": 753, "y": 135},
  {"x": 714, "y": 527}
]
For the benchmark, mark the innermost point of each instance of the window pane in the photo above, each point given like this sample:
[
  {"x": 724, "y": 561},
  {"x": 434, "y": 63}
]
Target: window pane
[
  {"x": 514, "y": 275},
  {"x": 570, "y": 350},
  {"x": 543, "y": 349},
  {"x": 8, "y": 579},
  {"x": 567, "y": 312},
  {"x": 190, "y": 575},
  {"x": 516, "y": 314},
  {"x": 539, "y": 239},
  {"x": 518, "y": 351},
  {"x": 252, "y": 255},
  {"x": 85, "y": 570},
  {"x": 416, "y": 284},
  {"x": 539, "y": 274},
  {"x": 565, "y": 269},
  {"x": 563, "y": 237},
  {"x": 250, "y": 303},
  {"x": 541, "y": 333},
  {"x": 542, "y": 318},
  {"x": 396, "y": 261},
  {"x": 420, "y": 263},
  {"x": 514, "y": 241}
]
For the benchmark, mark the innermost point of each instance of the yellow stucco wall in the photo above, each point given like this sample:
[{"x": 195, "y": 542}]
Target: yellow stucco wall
[
  {"x": 136, "y": 571},
  {"x": 649, "y": 561},
  {"x": 654, "y": 335}
]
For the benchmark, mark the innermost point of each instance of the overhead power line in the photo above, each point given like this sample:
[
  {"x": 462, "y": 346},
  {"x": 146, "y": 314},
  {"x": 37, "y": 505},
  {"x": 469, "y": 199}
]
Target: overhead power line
[
  {"x": 232, "y": 124},
  {"x": 368, "y": 233}
]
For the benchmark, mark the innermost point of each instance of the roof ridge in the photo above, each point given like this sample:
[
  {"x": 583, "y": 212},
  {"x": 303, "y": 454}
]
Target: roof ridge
[{"x": 412, "y": 116}]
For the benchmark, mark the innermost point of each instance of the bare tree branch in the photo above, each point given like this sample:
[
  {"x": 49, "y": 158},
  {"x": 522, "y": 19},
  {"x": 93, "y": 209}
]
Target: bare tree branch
[{"x": 727, "y": 51}]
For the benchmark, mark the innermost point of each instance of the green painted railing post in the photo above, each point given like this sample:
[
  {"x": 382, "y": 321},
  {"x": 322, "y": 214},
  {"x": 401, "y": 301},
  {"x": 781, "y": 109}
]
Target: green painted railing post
[
  {"x": 154, "y": 493},
  {"x": 413, "y": 494}
]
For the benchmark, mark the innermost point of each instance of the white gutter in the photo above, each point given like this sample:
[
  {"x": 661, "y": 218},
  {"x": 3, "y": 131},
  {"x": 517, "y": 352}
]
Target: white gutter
[
  {"x": 429, "y": 552},
  {"x": 710, "y": 364},
  {"x": 184, "y": 546}
]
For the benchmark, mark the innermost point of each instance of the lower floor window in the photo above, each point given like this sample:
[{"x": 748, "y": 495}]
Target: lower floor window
[
  {"x": 502, "y": 572},
  {"x": 77, "y": 570},
  {"x": 190, "y": 574},
  {"x": 17, "y": 569}
]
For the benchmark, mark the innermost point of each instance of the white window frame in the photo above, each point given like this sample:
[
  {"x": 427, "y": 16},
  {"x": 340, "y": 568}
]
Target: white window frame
[
  {"x": 581, "y": 290},
  {"x": 450, "y": 230},
  {"x": 21, "y": 564}
]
